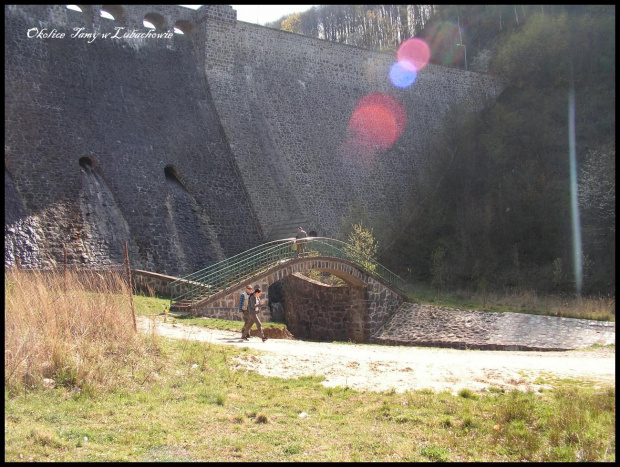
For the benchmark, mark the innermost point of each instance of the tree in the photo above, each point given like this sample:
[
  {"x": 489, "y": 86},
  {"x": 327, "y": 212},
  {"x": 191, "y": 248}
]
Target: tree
[
  {"x": 597, "y": 200},
  {"x": 292, "y": 23},
  {"x": 362, "y": 246},
  {"x": 597, "y": 187}
]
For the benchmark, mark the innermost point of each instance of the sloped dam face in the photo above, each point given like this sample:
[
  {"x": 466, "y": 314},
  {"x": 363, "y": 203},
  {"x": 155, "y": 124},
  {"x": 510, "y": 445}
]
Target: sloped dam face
[{"x": 200, "y": 142}]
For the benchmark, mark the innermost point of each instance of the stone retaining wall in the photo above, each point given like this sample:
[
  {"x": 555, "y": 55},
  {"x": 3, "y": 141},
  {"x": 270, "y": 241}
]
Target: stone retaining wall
[
  {"x": 189, "y": 147},
  {"x": 322, "y": 312},
  {"x": 425, "y": 325},
  {"x": 150, "y": 283}
]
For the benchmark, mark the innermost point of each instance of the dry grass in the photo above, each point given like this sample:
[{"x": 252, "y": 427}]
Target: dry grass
[
  {"x": 68, "y": 327},
  {"x": 599, "y": 307}
]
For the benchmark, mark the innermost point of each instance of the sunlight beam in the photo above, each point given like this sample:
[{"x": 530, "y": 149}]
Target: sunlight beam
[{"x": 573, "y": 188}]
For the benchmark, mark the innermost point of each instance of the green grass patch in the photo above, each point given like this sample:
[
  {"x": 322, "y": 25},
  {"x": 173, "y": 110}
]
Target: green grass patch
[
  {"x": 149, "y": 306},
  {"x": 221, "y": 324},
  {"x": 192, "y": 405},
  {"x": 127, "y": 397}
]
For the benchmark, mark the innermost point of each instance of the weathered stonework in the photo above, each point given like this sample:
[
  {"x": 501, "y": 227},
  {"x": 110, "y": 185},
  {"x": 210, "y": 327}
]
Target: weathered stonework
[
  {"x": 433, "y": 326},
  {"x": 322, "y": 312},
  {"x": 286, "y": 100},
  {"x": 148, "y": 283},
  {"x": 190, "y": 148}
]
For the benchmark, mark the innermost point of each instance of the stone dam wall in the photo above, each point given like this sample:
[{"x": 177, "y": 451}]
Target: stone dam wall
[{"x": 191, "y": 147}]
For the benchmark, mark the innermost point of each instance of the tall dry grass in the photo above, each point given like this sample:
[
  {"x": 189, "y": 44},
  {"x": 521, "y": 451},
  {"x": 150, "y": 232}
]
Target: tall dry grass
[
  {"x": 600, "y": 307},
  {"x": 72, "y": 328}
]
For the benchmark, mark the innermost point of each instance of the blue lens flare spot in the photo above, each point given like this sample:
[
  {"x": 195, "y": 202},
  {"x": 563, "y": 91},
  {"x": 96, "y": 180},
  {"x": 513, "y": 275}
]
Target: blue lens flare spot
[{"x": 403, "y": 74}]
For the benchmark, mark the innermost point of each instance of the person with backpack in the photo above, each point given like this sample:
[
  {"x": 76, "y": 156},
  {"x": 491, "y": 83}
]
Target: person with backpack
[
  {"x": 254, "y": 304},
  {"x": 300, "y": 239},
  {"x": 244, "y": 299}
]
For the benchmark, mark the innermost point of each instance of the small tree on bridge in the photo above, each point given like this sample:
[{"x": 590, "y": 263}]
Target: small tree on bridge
[{"x": 362, "y": 246}]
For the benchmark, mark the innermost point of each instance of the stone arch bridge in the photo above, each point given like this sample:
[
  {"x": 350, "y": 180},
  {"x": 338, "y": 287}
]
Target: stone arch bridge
[
  {"x": 312, "y": 309},
  {"x": 371, "y": 308}
]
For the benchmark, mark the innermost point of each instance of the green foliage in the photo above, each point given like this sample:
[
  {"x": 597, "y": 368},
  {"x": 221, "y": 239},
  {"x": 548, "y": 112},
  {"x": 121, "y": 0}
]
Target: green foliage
[
  {"x": 538, "y": 54},
  {"x": 362, "y": 240},
  {"x": 436, "y": 454},
  {"x": 491, "y": 208},
  {"x": 150, "y": 305},
  {"x": 292, "y": 23},
  {"x": 467, "y": 394},
  {"x": 362, "y": 247}
]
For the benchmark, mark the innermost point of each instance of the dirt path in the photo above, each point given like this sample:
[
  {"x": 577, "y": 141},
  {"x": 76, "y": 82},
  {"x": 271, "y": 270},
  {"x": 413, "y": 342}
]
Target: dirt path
[{"x": 383, "y": 368}]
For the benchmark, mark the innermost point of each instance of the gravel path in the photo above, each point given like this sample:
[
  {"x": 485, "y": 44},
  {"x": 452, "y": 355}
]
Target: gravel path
[{"x": 401, "y": 368}]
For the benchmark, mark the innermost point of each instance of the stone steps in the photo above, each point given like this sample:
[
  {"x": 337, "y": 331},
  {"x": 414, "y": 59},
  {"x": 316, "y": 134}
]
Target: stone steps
[{"x": 434, "y": 326}]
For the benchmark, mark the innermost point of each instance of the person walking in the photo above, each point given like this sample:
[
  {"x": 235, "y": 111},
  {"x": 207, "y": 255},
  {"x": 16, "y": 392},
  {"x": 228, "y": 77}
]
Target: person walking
[
  {"x": 254, "y": 304},
  {"x": 244, "y": 299},
  {"x": 299, "y": 241}
]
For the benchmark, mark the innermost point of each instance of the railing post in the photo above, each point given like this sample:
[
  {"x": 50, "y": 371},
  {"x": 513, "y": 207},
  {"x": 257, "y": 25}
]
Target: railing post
[
  {"x": 133, "y": 311},
  {"x": 220, "y": 275},
  {"x": 64, "y": 272}
]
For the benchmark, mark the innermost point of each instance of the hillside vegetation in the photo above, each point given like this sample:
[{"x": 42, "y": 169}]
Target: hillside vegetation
[{"x": 521, "y": 196}]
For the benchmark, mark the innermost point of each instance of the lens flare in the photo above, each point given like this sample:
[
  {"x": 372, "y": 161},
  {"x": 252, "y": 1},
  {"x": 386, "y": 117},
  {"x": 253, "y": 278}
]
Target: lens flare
[
  {"x": 403, "y": 74},
  {"x": 415, "y": 51},
  {"x": 576, "y": 223},
  {"x": 378, "y": 121},
  {"x": 442, "y": 39}
]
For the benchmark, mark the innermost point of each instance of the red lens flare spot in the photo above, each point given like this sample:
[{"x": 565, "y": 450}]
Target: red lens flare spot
[
  {"x": 415, "y": 51},
  {"x": 377, "y": 120}
]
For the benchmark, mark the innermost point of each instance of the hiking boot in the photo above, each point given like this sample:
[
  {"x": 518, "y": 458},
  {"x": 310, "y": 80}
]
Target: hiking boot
[
  {"x": 264, "y": 339},
  {"x": 245, "y": 338}
]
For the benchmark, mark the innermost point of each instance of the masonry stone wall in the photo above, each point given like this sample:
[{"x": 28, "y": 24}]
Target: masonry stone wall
[
  {"x": 321, "y": 312},
  {"x": 190, "y": 148},
  {"x": 148, "y": 283},
  {"x": 285, "y": 102},
  {"x": 434, "y": 326},
  {"x": 113, "y": 141}
]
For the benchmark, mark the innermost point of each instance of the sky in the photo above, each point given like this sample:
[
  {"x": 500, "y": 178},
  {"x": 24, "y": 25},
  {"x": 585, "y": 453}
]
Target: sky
[{"x": 261, "y": 14}]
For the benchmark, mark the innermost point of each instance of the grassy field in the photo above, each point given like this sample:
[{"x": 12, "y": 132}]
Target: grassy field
[{"x": 118, "y": 396}]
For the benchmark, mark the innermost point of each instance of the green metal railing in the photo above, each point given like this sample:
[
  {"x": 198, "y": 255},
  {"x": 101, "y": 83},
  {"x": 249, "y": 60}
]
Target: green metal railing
[{"x": 219, "y": 276}]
